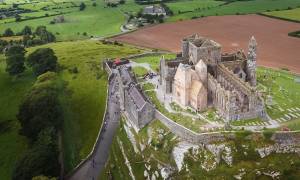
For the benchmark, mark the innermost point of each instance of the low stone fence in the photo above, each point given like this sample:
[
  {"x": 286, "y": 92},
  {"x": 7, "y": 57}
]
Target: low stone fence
[
  {"x": 281, "y": 137},
  {"x": 107, "y": 68},
  {"x": 135, "y": 56},
  {"x": 189, "y": 135}
]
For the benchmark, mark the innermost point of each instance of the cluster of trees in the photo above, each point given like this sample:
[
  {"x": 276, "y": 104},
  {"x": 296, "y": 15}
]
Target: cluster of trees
[
  {"x": 115, "y": 4},
  {"x": 40, "y": 114},
  {"x": 41, "y": 60},
  {"x": 39, "y": 37},
  {"x": 41, "y": 118},
  {"x": 29, "y": 37}
]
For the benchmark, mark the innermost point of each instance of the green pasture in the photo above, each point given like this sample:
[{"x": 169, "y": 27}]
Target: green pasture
[
  {"x": 293, "y": 14},
  {"x": 96, "y": 21},
  {"x": 184, "y": 6},
  {"x": 238, "y": 7}
]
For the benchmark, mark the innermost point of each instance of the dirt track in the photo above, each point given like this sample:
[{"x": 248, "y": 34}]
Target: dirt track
[{"x": 275, "y": 47}]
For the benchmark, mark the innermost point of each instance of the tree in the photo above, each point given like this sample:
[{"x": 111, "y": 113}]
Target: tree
[
  {"x": 8, "y": 32},
  {"x": 18, "y": 18},
  {"x": 27, "y": 31},
  {"x": 44, "y": 35},
  {"x": 26, "y": 40},
  {"x": 40, "y": 29},
  {"x": 47, "y": 37},
  {"x": 42, "y": 60},
  {"x": 41, "y": 107},
  {"x": 42, "y": 158},
  {"x": 94, "y": 4},
  {"x": 15, "y": 58},
  {"x": 82, "y": 6}
]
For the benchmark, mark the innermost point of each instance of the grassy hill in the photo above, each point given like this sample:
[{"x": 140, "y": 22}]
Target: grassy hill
[{"x": 83, "y": 105}]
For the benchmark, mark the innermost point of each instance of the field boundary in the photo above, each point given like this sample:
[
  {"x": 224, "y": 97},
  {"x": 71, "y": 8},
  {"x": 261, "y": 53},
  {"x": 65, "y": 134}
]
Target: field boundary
[{"x": 276, "y": 17}]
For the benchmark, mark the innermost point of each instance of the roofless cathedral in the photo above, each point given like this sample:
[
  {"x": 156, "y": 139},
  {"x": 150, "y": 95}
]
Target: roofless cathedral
[{"x": 203, "y": 77}]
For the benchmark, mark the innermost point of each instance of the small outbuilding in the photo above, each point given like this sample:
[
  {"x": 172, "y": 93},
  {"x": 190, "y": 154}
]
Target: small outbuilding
[{"x": 154, "y": 10}]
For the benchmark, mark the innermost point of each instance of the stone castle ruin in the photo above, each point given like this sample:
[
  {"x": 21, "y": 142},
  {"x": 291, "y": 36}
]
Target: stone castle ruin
[{"x": 202, "y": 77}]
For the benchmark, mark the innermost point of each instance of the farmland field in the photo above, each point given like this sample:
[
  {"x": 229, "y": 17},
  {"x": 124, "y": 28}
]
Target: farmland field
[
  {"x": 293, "y": 14},
  {"x": 96, "y": 21},
  {"x": 184, "y": 6},
  {"x": 237, "y": 7}
]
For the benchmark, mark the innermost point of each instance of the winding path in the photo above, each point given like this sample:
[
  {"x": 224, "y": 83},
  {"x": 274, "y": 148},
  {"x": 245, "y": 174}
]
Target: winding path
[{"x": 91, "y": 168}]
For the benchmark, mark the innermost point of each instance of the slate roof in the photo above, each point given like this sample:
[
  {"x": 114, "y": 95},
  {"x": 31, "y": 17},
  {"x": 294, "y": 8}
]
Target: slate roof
[
  {"x": 136, "y": 97},
  {"x": 125, "y": 75}
]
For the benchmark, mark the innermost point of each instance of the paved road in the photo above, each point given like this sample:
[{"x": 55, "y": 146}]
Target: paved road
[{"x": 91, "y": 169}]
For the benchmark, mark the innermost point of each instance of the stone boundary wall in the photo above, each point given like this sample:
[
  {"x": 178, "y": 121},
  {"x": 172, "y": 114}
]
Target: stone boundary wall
[
  {"x": 96, "y": 145},
  {"x": 147, "y": 54},
  {"x": 187, "y": 134},
  {"x": 107, "y": 68},
  {"x": 288, "y": 137}
]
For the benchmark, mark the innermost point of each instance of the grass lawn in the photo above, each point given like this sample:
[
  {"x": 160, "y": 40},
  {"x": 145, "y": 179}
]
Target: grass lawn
[
  {"x": 12, "y": 92},
  {"x": 293, "y": 125},
  {"x": 283, "y": 89},
  {"x": 140, "y": 71},
  {"x": 154, "y": 60},
  {"x": 96, "y": 21},
  {"x": 254, "y": 122},
  {"x": 186, "y": 121},
  {"x": 293, "y": 14},
  {"x": 239, "y": 7}
]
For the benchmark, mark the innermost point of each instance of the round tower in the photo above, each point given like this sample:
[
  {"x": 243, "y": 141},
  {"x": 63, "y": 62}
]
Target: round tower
[{"x": 251, "y": 61}]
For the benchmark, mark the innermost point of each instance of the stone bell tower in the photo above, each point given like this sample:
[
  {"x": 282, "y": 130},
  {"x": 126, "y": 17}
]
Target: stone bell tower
[{"x": 251, "y": 61}]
